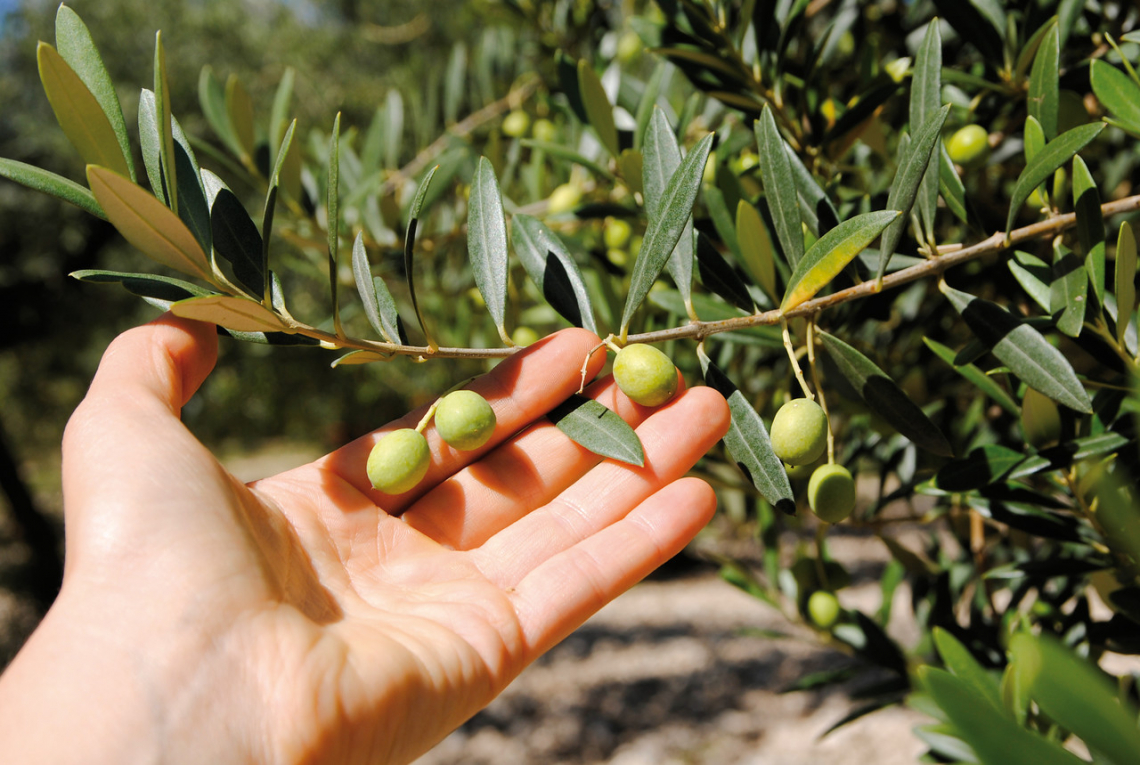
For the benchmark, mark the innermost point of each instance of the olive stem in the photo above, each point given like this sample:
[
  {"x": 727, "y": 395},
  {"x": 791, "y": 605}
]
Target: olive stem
[
  {"x": 819, "y": 390},
  {"x": 795, "y": 362},
  {"x": 586, "y": 362},
  {"x": 422, "y": 426}
]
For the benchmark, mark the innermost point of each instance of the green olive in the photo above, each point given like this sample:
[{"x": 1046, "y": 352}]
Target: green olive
[
  {"x": 516, "y": 123},
  {"x": 398, "y": 461},
  {"x": 464, "y": 420},
  {"x": 823, "y": 608},
  {"x": 545, "y": 131},
  {"x": 616, "y": 233},
  {"x": 1040, "y": 419},
  {"x": 645, "y": 374},
  {"x": 831, "y": 493},
  {"x": 524, "y": 336},
  {"x": 970, "y": 146},
  {"x": 799, "y": 432},
  {"x": 564, "y": 198}
]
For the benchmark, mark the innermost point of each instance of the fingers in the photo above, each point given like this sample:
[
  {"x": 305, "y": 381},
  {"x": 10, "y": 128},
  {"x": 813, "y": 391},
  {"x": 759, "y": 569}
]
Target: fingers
[
  {"x": 522, "y": 474},
  {"x": 674, "y": 438},
  {"x": 558, "y": 595},
  {"x": 521, "y": 389}
]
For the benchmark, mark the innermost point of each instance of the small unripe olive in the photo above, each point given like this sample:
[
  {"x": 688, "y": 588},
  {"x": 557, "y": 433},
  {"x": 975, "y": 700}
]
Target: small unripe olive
[
  {"x": 629, "y": 45},
  {"x": 464, "y": 420},
  {"x": 524, "y": 336},
  {"x": 545, "y": 131},
  {"x": 1040, "y": 419},
  {"x": 969, "y": 146},
  {"x": 616, "y": 233},
  {"x": 823, "y": 608},
  {"x": 564, "y": 198},
  {"x": 516, "y": 123},
  {"x": 398, "y": 461},
  {"x": 799, "y": 432},
  {"x": 831, "y": 493},
  {"x": 645, "y": 374}
]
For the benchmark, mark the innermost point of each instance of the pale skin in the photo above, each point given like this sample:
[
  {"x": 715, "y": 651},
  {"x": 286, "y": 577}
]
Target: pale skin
[{"x": 307, "y": 617}]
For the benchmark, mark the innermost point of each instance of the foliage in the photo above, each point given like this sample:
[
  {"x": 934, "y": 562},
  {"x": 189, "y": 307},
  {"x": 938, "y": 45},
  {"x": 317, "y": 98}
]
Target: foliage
[{"x": 977, "y": 367}]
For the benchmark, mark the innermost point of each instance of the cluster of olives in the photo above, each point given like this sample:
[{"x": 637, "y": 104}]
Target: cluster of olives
[
  {"x": 399, "y": 460},
  {"x": 799, "y": 438}
]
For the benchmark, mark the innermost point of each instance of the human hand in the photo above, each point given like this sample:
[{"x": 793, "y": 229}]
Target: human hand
[{"x": 307, "y": 617}]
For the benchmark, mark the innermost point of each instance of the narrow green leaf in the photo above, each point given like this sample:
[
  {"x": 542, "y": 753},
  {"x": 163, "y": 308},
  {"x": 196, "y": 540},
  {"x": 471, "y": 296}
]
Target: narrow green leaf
[
  {"x": 1029, "y": 50},
  {"x": 662, "y": 157},
  {"x": 237, "y": 240},
  {"x": 212, "y": 97},
  {"x": 1117, "y": 92},
  {"x": 394, "y": 128},
  {"x": 1125, "y": 279},
  {"x": 1118, "y": 515},
  {"x": 598, "y": 108},
  {"x": 1034, "y": 275},
  {"x": 159, "y": 291},
  {"x": 1056, "y": 153},
  {"x": 720, "y": 277},
  {"x": 1068, "y": 292},
  {"x": 192, "y": 206},
  {"x": 455, "y": 83},
  {"x": 756, "y": 251},
  {"x": 996, "y": 738},
  {"x": 965, "y": 667},
  {"x": 333, "y": 208},
  {"x": 597, "y": 429},
  {"x": 1063, "y": 455},
  {"x": 74, "y": 43},
  {"x": 147, "y": 223},
  {"x": 925, "y": 101},
  {"x": 568, "y": 154},
  {"x": 150, "y": 141},
  {"x": 748, "y": 443},
  {"x": 283, "y": 166},
  {"x": 410, "y": 248},
  {"x": 50, "y": 183},
  {"x": 385, "y": 326},
  {"x": 630, "y": 162},
  {"x": 1077, "y": 696},
  {"x": 722, "y": 217},
  {"x": 165, "y": 130},
  {"x": 487, "y": 243},
  {"x": 950, "y": 186},
  {"x": 816, "y": 209},
  {"x": 360, "y": 357},
  {"x": 1090, "y": 225},
  {"x": 239, "y": 112},
  {"x": 884, "y": 397},
  {"x": 1034, "y": 138},
  {"x": 236, "y": 313},
  {"x": 1022, "y": 348},
  {"x": 665, "y": 229},
  {"x": 908, "y": 186},
  {"x": 983, "y": 466},
  {"x": 279, "y": 115},
  {"x": 79, "y": 113},
  {"x": 831, "y": 253},
  {"x": 780, "y": 188},
  {"x": 980, "y": 379},
  {"x": 647, "y": 104},
  {"x": 1044, "y": 82},
  {"x": 553, "y": 270}
]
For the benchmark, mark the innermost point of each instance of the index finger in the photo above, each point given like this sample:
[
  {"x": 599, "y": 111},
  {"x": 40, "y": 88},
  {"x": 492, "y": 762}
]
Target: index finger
[{"x": 520, "y": 389}]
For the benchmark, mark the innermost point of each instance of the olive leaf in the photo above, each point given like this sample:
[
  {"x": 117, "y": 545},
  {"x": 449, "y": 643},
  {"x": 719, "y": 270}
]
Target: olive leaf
[
  {"x": 1090, "y": 225},
  {"x": 1022, "y": 348},
  {"x": 1070, "y": 452},
  {"x": 236, "y": 313},
  {"x": 414, "y": 213},
  {"x": 965, "y": 667},
  {"x": 279, "y": 113},
  {"x": 284, "y": 155},
  {"x": 720, "y": 276},
  {"x": 665, "y": 229},
  {"x": 925, "y": 102},
  {"x": 147, "y": 223},
  {"x": 487, "y": 243},
  {"x": 1125, "y": 279},
  {"x": 909, "y": 186},
  {"x": 194, "y": 210},
  {"x": 1044, "y": 82},
  {"x": 239, "y": 114},
  {"x": 333, "y": 207},
  {"x": 594, "y": 427},
  {"x": 1034, "y": 275},
  {"x": 599, "y": 111},
  {"x": 980, "y": 379},
  {"x": 780, "y": 188},
  {"x": 159, "y": 291},
  {"x": 379, "y": 309},
  {"x": 73, "y": 42},
  {"x": 237, "y": 240},
  {"x": 212, "y": 99},
  {"x": 50, "y": 183},
  {"x": 165, "y": 130},
  {"x": 661, "y": 158},
  {"x": 553, "y": 270},
  {"x": 1117, "y": 92},
  {"x": 1056, "y": 153},
  {"x": 79, "y": 113},
  {"x": 748, "y": 442},
  {"x": 1068, "y": 292},
  {"x": 831, "y": 253},
  {"x": 756, "y": 251},
  {"x": 883, "y": 396},
  {"x": 981, "y": 467}
]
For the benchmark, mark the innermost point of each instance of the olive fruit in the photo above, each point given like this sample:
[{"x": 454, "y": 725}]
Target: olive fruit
[
  {"x": 969, "y": 146},
  {"x": 516, "y": 123},
  {"x": 464, "y": 420},
  {"x": 544, "y": 130},
  {"x": 564, "y": 198},
  {"x": 799, "y": 432},
  {"x": 524, "y": 336},
  {"x": 398, "y": 461},
  {"x": 1040, "y": 419},
  {"x": 823, "y": 608},
  {"x": 616, "y": 233},
  {"x": 831, "y": 493},
  {"x": 645, "y": 374}
]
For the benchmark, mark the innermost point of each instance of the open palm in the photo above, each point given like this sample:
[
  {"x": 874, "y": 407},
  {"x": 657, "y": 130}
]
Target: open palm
[{"x": 308, "y": 617}]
